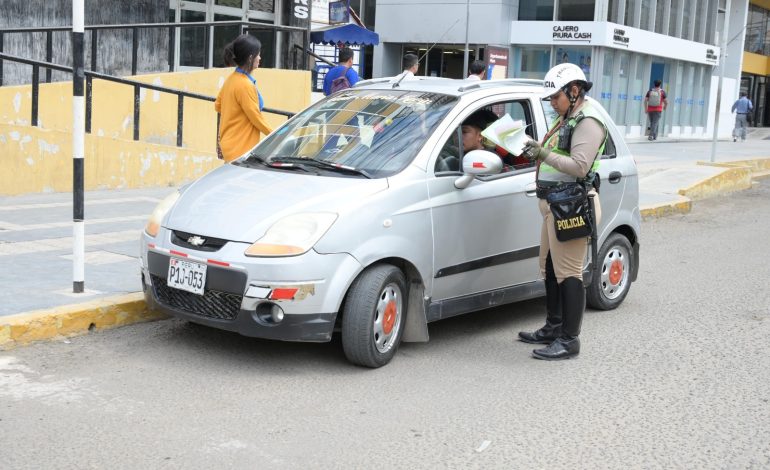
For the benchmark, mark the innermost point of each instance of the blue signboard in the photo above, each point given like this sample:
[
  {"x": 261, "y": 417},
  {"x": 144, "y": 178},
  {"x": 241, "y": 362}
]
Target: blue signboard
[{"x": 338, "y": 12}]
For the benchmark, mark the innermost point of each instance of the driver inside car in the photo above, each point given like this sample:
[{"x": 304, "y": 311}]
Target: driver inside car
[{"x": 472, "y": 126}]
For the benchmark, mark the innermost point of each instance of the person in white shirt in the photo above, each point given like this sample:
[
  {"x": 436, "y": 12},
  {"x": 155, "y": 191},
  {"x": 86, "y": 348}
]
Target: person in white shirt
[
  {"x": 411, "y": 64},
  {"x": 477, "y": 70}
]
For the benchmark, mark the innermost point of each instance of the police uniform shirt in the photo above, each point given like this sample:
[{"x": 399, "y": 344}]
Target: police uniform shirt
[{"x": 587, "y": 137}]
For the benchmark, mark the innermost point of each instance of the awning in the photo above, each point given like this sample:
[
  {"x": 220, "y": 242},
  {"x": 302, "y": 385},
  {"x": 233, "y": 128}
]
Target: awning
[{"x": 346, "y": 34}]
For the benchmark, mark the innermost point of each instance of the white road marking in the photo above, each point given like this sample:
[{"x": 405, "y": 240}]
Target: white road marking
[
  {"x": 9, "y": 227},
  {"x": 102, "y": 257},
  {"x": 92, "y": 202},
  {"x": 65, "y": 243}
]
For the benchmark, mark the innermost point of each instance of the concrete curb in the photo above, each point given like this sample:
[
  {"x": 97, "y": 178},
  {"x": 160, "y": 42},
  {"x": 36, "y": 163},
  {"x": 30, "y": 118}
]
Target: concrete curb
[
  {"x": 73, "y": 320},
  {"x": 739, "y": 175}
]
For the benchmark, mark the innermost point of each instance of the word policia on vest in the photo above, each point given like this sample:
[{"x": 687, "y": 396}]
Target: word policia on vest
[{"x": 567, "y": 224}]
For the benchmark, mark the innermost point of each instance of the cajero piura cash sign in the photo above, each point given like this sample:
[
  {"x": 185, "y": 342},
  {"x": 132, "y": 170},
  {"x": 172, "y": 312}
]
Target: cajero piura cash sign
[{"x": 570, "y": 32}]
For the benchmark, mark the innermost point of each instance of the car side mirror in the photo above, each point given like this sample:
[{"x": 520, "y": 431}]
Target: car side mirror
[{"x": 478, "y": 162}]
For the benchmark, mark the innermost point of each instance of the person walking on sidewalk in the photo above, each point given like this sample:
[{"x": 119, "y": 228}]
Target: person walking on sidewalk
[
  {"x": 239, "y": 102},
  {"x": 568, "y": 158},
  {"x": 742, "y": 107},
  {"x": 655, "y": 102},
  {"x": 343, "y": 75}
]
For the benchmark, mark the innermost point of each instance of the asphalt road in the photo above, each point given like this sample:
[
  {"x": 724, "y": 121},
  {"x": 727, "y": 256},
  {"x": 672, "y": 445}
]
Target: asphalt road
[{"x": 677, "y": 377}]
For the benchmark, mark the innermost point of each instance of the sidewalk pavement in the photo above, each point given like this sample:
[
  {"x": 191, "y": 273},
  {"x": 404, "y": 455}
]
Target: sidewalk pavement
[{"x": 35, "y": 236}]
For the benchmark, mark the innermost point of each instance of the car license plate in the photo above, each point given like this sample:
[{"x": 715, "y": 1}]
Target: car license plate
[{"x": 186, "y": 275}]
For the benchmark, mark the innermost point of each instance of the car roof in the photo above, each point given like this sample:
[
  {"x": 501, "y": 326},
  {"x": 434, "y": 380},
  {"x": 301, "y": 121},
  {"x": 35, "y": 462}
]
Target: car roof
[{"x": 453, "y": 87}]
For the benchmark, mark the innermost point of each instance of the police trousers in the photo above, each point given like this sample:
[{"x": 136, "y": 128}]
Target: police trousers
[{"x": 567, "y": 257}]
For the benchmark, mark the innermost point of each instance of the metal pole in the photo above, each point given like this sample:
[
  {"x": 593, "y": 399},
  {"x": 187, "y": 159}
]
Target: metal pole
[
  {"x": 467, "y": 25},
  {"x": 722, "y": 65},
  {"x": 78, "y": 147}
]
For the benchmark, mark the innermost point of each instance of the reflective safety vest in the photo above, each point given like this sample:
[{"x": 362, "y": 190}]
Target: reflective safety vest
[{"x": 551, "y": 174}]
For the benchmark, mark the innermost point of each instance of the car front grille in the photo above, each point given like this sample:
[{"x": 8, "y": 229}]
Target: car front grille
[
  {"x": 212, "y": 304},
  {"x": 206, "y": 243}
]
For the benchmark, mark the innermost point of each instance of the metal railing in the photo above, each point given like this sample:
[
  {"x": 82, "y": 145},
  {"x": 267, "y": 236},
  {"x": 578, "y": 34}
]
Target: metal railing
[
  {"x": 173, "y": 31},
  {"x": 137, "y": 85}
]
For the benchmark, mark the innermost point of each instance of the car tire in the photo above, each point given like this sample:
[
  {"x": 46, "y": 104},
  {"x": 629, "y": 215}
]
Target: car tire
[
  {"x": 612, "y": 277},
  {"x": 374, "y": 316}
]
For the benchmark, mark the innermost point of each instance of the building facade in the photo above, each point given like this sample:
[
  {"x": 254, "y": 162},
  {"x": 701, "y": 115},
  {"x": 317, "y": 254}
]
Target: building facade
[
  {"x": 622, "y": 46},
  {"x": 756, "y": 61}
]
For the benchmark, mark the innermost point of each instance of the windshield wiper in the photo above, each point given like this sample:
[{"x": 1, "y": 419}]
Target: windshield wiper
[
  {"x": 325, "y": 164},
  {"x": 251, "y": 159}
]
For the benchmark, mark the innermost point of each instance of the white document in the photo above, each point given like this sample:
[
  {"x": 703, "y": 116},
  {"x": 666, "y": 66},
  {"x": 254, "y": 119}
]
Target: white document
[{"x": 508, "y": 134}]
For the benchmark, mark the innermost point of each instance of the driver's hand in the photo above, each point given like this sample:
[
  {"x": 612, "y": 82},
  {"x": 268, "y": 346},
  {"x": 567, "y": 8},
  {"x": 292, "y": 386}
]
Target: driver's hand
[{"x": 534, "y": 151}]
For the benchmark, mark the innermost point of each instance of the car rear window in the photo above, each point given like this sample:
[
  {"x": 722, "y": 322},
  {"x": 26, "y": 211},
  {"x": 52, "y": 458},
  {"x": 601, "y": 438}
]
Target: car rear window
[{"x": 376, "y": 131}]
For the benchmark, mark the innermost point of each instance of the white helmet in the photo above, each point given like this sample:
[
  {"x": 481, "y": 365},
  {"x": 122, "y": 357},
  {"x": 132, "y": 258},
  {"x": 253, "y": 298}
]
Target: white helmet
[{"x": 562, "y": 75}]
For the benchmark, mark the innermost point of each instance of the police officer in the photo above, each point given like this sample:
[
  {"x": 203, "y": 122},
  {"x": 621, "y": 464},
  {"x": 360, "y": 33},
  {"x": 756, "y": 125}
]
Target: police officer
[{"x": 569, "y": 154}]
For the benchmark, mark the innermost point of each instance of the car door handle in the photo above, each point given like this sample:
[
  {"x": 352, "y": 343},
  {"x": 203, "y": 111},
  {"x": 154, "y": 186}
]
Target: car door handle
[
  {"x": 615, "y": 177},
  {"x": 530, "y": 190}
]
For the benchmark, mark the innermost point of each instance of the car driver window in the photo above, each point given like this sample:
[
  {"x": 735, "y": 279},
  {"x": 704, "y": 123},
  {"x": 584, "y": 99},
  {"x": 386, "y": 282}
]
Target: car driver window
[
  {"x": 609, "y": 148},
  {"x": 469, "y": 133}
]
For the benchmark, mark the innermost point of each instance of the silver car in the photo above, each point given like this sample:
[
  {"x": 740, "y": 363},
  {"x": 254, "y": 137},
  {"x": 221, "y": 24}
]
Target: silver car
[{"x": 361, "y": 215}]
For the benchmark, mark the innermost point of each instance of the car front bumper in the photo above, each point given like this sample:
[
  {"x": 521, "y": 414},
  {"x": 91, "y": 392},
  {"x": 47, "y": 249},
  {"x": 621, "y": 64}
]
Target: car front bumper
[{"x": 240, "y": 292}]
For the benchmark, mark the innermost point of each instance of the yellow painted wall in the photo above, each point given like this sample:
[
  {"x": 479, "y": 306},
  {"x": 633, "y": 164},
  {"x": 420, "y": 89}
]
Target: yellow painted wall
[
  {"x": 40, "y": 160},
  {"x": 761, "y": 3},
  {"x": 756, "y": 64},
  {"x": 37, "y": 159},
  {"x": 113, "y": 112}
]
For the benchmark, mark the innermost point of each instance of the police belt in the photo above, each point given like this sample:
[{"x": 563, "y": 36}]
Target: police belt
[{"x": 542, "y": 188}]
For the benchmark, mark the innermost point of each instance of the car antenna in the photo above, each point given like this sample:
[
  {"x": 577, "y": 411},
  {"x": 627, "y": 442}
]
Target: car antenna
[{"x": 395, "y": 85}]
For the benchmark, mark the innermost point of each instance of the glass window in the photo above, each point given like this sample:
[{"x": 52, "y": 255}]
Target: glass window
[
  {"x": 576, "y": 10},
  {"x": 612, "y": 11},
  {"x": 378, "y": 132},
  {"x": 450, "y": 156},
  {"x": 267, "y": 38},
  {"x": 262, "y": 5},
  {"x": 580, "y": 56},
  {"x": 660, "y": 11},
  {"x": 222, "y": 36},
  {"x": 191, "y": 45},
  {"x": 756, "y": 30},
  {"x": 535, "y": 62},
  {"x": 536, "y": 10},
  {"x": 686, "y": 20},
  {"x": 624, "y": 70},
  {"x": 229, "y": 3},
  {"x": 636, "y": 92},
  {"x": 605, "y": 94},
  {"x": 673, "y": 15},
  {"x": 645, "y": 20}
]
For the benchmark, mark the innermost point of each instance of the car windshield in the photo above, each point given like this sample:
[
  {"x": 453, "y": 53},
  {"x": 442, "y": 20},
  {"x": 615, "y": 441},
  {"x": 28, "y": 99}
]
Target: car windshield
[{"x": 371, "y": 133}]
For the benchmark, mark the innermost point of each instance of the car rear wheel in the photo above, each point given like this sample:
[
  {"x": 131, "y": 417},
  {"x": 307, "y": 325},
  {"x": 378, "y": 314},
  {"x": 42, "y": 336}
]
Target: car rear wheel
[
  {"x": 612, "y": 276},
  {"x": 374, "y": 316}
]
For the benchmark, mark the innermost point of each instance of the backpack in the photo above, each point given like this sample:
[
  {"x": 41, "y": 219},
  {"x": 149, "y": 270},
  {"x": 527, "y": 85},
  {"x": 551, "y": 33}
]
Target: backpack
[
  {"x": 341, "y": 82},
  {"x": 654, "y": 97}
]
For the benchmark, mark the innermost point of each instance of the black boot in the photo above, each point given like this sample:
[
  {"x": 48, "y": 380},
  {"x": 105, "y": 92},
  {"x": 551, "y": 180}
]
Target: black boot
[
  {"x": 573, "y": 299},
  {"x": 552, "y": 329}
]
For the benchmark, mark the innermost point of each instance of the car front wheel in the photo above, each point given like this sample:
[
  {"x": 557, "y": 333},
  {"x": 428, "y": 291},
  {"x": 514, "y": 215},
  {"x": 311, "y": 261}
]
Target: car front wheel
[
  {"x": 374, "y": 316},
  {"x": 612, "y": 276}
]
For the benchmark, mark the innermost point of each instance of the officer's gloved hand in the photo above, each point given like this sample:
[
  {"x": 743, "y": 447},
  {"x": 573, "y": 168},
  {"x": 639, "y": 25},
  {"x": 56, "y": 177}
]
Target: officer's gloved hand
[{"x": 534, "y": 151}]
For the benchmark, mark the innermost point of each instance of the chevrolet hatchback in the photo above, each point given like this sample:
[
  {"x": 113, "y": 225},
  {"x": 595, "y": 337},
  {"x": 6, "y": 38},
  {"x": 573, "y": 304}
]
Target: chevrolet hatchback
[{"x": 361, "y": 215}]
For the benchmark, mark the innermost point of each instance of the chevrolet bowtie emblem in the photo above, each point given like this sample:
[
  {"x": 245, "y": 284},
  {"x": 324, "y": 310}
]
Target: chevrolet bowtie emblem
[{"x": 195, "y": 240}]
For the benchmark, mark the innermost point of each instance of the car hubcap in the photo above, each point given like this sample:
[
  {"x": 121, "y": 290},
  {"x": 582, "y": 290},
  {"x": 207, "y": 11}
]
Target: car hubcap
[
  {"x": 387, "y": 318},
  {"x": 615, "y": 272}
]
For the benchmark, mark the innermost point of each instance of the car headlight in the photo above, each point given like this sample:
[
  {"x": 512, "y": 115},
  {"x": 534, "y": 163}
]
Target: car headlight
[
  {"x": 153, "y": 225},
  {"x": 293, "y": 235}
]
